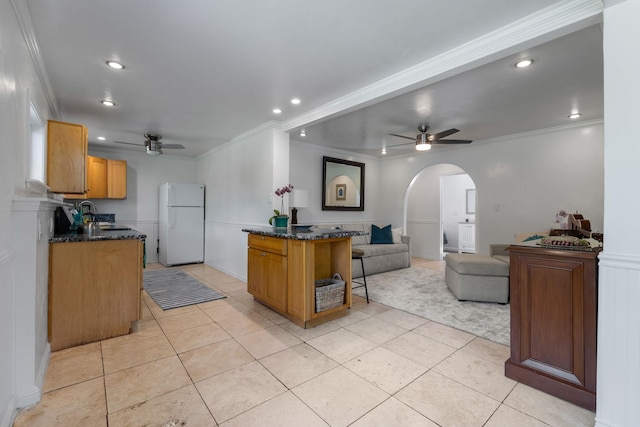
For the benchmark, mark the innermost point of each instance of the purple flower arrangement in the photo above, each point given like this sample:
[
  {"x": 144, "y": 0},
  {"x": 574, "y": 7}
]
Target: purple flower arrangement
[{"x": 280, "y": 192}]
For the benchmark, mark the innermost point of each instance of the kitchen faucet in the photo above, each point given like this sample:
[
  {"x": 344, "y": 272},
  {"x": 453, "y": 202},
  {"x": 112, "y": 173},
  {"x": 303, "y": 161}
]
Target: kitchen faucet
[{"x": 92, "y": 209}]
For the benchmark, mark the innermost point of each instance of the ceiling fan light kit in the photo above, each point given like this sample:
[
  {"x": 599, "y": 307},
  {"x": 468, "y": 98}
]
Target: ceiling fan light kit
[
  {"x": 423, "y": 146},
  {"x": 424, "y": 140},
  {"x": 152, "y": 145},
  {"x": 154, "y": 148}
]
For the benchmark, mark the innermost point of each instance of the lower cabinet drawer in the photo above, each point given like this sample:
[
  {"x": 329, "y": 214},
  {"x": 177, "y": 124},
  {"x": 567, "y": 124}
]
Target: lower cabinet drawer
[{"x": 268, "y": 244}]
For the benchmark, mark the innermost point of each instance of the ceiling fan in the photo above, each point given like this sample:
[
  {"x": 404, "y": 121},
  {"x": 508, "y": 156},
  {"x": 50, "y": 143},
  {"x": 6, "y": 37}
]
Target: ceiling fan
[
  {"x": 424, "y": 140},
  {"x": 153, "y": 145}
]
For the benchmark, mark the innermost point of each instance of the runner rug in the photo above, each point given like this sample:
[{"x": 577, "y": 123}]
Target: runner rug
[{"x": 173, "y": 288}]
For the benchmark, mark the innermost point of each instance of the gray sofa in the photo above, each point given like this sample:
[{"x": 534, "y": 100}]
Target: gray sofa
[
  {"x": 377, "y": 258},
  {"x": 472, "y": 277}
]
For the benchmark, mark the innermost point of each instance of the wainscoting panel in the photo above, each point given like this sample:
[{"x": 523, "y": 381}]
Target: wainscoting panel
[
  {"x": 7, "y": 328},
  {"x": 618, "y": 341},
  {"x": 425, "y": 238},
  {"x": 226, "y": 247}
]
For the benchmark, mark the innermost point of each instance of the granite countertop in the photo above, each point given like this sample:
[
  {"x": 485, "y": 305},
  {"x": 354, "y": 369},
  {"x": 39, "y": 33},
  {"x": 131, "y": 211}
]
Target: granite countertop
[
  {"x": 102, "y": 235},
  {"x": 303, "y": 234},
  {"x": 594, "y": 245}
]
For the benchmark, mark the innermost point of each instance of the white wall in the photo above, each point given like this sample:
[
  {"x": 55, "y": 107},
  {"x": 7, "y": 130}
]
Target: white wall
[
  {"x": 241, "y": 178},
  {"x": 306, "y": 174},
  {"x": 144, "y": 175},
  {"x": 618, "y": 382},
  {"x": 423, "y": 210},
  {"x": 454, "y": 206},
  {"x": 521, "y": 181},
  {"x": 19, "y": 85}
]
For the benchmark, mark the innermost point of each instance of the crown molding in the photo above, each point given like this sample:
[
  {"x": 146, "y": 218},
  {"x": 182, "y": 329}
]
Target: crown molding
[
  {"x": 547, "y": 24},
  {"x": 26, "y": 25}
]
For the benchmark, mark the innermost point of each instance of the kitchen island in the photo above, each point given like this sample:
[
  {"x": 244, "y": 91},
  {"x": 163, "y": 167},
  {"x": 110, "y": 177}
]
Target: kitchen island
[
  {"x": 284, "y": 265},
  {"x": 95, "y": 284}
]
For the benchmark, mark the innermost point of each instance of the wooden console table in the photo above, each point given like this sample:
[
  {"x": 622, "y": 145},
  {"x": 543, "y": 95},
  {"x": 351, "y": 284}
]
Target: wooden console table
[
  {"x": 284, "y": 265},
  {"x": 554, "y": 299}
]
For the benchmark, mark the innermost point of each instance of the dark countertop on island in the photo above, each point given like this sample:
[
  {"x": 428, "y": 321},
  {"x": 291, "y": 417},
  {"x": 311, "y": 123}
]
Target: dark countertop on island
[
  {"x": 303, "y": 234},
  {"x": 102, "y": 235}
]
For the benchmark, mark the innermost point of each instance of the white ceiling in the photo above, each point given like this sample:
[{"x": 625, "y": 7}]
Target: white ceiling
[{"x": 201, "y": 73}]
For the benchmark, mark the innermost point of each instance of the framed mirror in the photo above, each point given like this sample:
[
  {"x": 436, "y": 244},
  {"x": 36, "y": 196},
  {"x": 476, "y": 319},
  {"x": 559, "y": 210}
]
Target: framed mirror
[
  {"x": 342, "y": 185},
  {"x": 471, "y": 201}
]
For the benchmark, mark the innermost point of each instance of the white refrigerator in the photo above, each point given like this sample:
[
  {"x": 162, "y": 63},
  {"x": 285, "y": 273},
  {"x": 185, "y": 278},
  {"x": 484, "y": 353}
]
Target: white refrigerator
[{"x": 181, "y": 230}]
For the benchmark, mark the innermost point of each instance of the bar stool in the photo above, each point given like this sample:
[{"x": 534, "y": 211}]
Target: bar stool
[{"x": 359, "y": 254}]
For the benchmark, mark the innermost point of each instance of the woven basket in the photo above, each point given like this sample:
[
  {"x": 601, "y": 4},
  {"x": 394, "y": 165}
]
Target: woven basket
[{"x": 329, "y": 293}]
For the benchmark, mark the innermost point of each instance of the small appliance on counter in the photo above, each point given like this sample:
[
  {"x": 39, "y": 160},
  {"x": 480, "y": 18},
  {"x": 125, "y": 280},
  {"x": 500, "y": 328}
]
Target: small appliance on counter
[{"x": 62, "y": 220}]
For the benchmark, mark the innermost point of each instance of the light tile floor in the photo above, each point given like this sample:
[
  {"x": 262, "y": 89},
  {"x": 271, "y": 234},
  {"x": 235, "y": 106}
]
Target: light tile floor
[{"x": 234, "y": 362}]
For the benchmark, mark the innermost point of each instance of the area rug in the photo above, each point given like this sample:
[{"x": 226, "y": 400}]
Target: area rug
[
  {"x": 172, "y": 288},
  {"x": 422, "y": 292}
]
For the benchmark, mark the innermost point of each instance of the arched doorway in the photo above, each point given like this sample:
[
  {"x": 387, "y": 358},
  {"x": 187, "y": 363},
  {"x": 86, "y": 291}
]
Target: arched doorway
[{"x": 436, "y": 203}]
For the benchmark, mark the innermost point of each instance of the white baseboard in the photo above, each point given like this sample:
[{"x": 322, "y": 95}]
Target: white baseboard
[
  {"x": 34, "y": 394},
  {"x": 10, "y": 413},
  {"x": 29, "y": 397}
]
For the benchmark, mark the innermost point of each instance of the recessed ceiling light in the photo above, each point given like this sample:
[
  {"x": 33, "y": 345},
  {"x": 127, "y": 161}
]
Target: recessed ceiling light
[
  {"x": 277, "y": 111},
  {"x": 524, "y": 63},
  {"x": 303, "y": 132},
  {"x": 295, "y": 101},
  {"x": 108, "y": 103},
  {"x": 575, "y": 115},
  {"x": 384, "y": 151},
  {"x": 101, "y": 138},
  {"x": 115, "y": 65}
]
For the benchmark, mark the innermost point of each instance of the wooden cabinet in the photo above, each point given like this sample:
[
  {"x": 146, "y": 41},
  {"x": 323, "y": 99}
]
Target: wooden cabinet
[
  {"x": 94, "y": 290},
  {"x": 96, "y": 178},
  {"x": 553, "y": 322},
  {"x": 106, "y": 178},
  {"x": 282, "y": 274},
  {"x": 466, "y": 237},
  {"x": 116, "y": 179},
  {"x": 267, "y": 274},
  {"x": 67, "y": 146}
]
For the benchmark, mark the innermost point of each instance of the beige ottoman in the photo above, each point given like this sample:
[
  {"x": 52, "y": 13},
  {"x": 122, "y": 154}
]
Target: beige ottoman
[{"x": 473, "y": 277}]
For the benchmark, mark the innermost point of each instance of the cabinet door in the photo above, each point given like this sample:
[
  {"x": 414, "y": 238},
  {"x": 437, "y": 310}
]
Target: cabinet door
[
  {"x": 553, "y": 323},
  {"x": 66, "y": 157},
  {"x": 97, "y": 180},
  {"x": 466, "y": 238},
  {"x": 267, "y": 278},
  {"x": 94, "y": 290},
  {"x": 116, "y": 179}
]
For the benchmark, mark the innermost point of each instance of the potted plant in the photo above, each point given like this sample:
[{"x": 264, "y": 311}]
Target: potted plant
[{"x": 279, "y": 219}]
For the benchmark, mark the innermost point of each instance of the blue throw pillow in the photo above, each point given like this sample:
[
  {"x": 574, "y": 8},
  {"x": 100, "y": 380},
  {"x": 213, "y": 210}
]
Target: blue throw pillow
[{"x": 381, "y": 235}]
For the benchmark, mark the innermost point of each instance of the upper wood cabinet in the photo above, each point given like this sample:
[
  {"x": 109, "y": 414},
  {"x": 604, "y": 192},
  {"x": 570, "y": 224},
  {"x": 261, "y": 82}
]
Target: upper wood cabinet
[
  {"x": 97, "y": 178},
  {"x": 67, "y": 146},
  {"x": 106, "y": 178},
  {"x": 116, "y": 179}
]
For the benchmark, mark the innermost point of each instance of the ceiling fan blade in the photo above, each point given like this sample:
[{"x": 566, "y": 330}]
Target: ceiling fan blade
[
  {"x": 443, "y": 134},
  {"x": 130, "y": 143},
  {"x": 452, "y": 141},
  {"x": 400, "y": 145},
  {"x": 180, "y": 146},
  {"x": 413, "y": 138}
]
